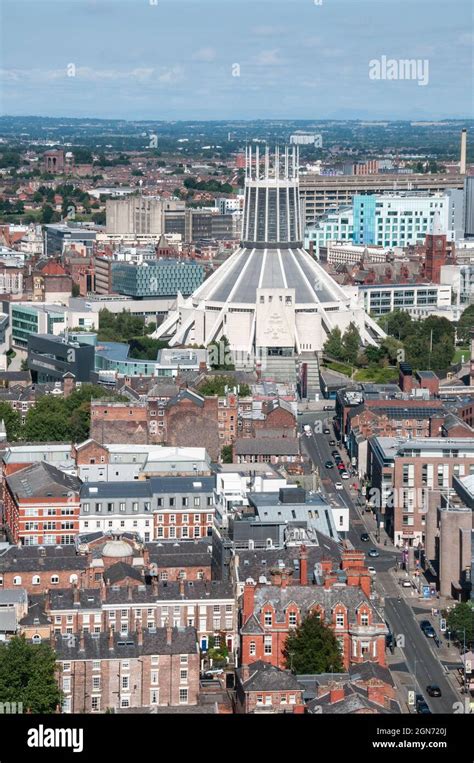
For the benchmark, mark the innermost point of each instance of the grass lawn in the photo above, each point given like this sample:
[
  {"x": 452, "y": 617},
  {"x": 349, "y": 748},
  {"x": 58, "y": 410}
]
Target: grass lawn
[
  {"x": 460, "y": 351},
  {"x": 377, "y": 375},
  {"x": 340, "y": 368}
]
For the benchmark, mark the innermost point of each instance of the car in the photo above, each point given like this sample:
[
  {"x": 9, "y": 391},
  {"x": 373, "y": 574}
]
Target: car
[
  {"x": 372, "y": 570},
  {"x": 213, "y": 672},
  {"x": 335, "y": 453},
  {"x": 373, "y": 553},
  {"x": 344, "y": 475},
  {"x": 326, "y": 430},
  {"x": 406, "y": 583},
  {"x": 329, "y": 465},
  {"x": 433, "y": 690},
  {"x": 427, "y": 629},
  {"x": 365, "y": 537},
  {"x": 328, "y": 408},
  {"x": 332, "y": 442},
  {"x": 422, "y": 708},
  {"x": 338, "y": 485}
]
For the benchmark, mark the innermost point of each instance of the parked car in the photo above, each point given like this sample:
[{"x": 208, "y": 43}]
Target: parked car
[
  {"x": 328, "y": 408},
  {"x": 433, "y": 690},
  {"x": 332, "y": 442},
  {"x": 372, "y": 570},
  {"x": 427, "y": 629},
  {"x": 335, "y": 453},
  {"x": 406, "y": 583},
  {"x": 326, "y": 430},
  {"x": 329, "y": 465},
  {"x": 338, "y": 485},
  {"x": 341, "y": 466},
  {"x": 365, "y": 537},
  {"x": 422, "y": 708},
  {"x": 373, "y": 553},
  {"x": 213, "y": 672},
  {"x": 345, "y": 475}
]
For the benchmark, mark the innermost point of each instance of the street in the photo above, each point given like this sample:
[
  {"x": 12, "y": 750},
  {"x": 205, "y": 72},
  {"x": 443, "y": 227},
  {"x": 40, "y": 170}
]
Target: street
[{"x": 417, "y": 653}]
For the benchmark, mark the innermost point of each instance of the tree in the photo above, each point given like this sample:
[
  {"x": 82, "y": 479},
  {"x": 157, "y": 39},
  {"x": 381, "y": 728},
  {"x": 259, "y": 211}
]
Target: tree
[
  {"x": 397, "y": 324},
  {"x": 312, "y": 648},
  {"x": 216, "y": 385},
  {"x": 465, "y": 324},
  {"x": 226, "y": 454},
  {"x": 12, "y": 421},
  {"x": 333, "y": 345},
  {"x": 47, "y": 214},
  {"x": 461, "y": 618},
  {"x": 75, "y": 290},
  {"x": 27, "y": 675},
  {"x": 351, "y": 343},
  {"x": 219, "y": 355}
]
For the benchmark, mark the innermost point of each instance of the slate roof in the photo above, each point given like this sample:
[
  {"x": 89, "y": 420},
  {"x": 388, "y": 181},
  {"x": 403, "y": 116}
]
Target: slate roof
[
  {"x": 9, "y": 597},
  {"x": 96, "y": 646},
  {"x": 306, "y": 597},
  {"x": 267, "y": 446},
  {"x": 266, "y": 677},
  {"x": 40, "y": 480},
  {"x": 62, "y": 599},
  {"x": 120, "y": 571},
  {"x": 258, "y": 562},
  {"x": 367, "y": 670},
  {"x": 184, "y": 554},
  {"x": 148, "y": 488},
  {"x": 36, "y": 558},
  {"x": 355, "y": 701},
  {"x": 36, "y": 614},
  {"x": 8, "y": 621}
]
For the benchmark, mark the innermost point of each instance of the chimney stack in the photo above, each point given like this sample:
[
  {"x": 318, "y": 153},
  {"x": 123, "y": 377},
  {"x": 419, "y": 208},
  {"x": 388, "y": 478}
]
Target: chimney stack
[
  {"x": 462, "y": 162},
  {"x": 303, "y": 565},
  {"x": 111, "y": 640},
  {"x": 82, "y": 646},
  {"x": 76, "y": 595},
  {"x": 169, "y": 633},
  {"x": 129, "y": 593},
  {"x": 181, "y": 588},
  {"x": 154, "y": 586},
  {"x": 139, "y": 630},
  {"x": 336, "y": 692}
]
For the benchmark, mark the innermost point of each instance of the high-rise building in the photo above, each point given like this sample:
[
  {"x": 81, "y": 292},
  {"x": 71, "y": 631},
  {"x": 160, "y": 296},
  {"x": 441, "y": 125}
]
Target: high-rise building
[{"x": 139, "y": 215}]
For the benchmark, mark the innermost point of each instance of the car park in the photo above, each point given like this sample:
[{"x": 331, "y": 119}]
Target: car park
[
  {"x": 365, "y": 537},
  {"x": 373, "y": 553},
  {"x": 338, "y": 485},
  {"x": 433, "y": 690}
]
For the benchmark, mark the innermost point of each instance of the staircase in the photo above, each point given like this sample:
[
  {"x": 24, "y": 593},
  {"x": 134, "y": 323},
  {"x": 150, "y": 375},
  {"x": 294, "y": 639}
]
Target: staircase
[{"x": 279, "y": 369}]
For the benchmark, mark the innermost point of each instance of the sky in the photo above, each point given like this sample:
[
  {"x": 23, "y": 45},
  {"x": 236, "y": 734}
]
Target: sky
[{"x": 234, "y": 59}]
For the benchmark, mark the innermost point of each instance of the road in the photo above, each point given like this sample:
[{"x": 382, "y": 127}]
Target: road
[
  {"x": 419, "y": 656},
  {"x": 419, "y": 652}
]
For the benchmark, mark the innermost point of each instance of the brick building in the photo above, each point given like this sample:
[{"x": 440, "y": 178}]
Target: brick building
[
  {"x": 148, "y": 668},
  {"x": 41, "y": 505},
  {"x": 208, "y": 606},
  {"x": 270, "y": 450},
  {"x": 407, "y": 478},
  {"x": 264, "y": 688}
]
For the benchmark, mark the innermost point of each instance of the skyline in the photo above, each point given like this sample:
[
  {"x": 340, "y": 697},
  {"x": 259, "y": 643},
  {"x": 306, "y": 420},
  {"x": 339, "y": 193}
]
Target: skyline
[{"x": 272, "y": 60}]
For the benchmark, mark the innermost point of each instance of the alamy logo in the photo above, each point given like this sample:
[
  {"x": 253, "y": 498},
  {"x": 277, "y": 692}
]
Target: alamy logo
[
  {"x": 46, "y": 737},
  {"x": 416, "y": 69}
]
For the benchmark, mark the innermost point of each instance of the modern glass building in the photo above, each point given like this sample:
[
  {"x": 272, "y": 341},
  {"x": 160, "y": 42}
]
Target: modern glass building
[{"x": 163, "y": 278}]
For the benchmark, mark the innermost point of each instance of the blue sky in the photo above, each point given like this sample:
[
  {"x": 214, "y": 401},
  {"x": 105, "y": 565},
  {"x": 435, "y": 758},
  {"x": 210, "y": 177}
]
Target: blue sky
[{"x": 173, "y": 60}]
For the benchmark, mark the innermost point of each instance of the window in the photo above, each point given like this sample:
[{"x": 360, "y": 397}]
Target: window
[
  {"x": 184, "y": 503},
  {"x": 110, "y": 507},
  {"x": 35, "y": 580},
  {"x": 17, "y": 580},
  {"x": 66, "y": 667},
  {"x": 125, "y": 682},
  {"x": 122, "y": 506},
  {"x": 364, "y": 618},
  {"x": 96, "y": 683},
  {"x": 267, "y": 645},
  {"x": 98, "y": 508},
  {"x": 183, "y": 696},
  {"x": 259, "y": 699},
  {"x": 154, "y": 677},
  {"x": 95, "y": 704},
  {"x": 197, "y": 500},
  {"x": 95, "y": 664},
  {"x": 154, "y": 696},
  {"x": 183, "y": 676},
  {"x": 135, "y": 506},
  {"x": 340, "y": 620},
  {"x": 67, "y": 684},
  {"x": 54, "y": 580},
  {"x": 197, "y": 532},
  {"x": 85, "y": 508},
  {"x": 292, "y": 618},
  {"x": 125, "y": 702},
  {"x": 172, "y": 532},
  {"x": 252, "y": 649},
  {"x": 268, "y": 619},
  {"x": 183, "y": 658}
]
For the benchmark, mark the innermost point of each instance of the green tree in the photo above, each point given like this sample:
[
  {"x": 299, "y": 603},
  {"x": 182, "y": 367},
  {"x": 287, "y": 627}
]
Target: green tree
[
  {"x": 27, "y": 675},
  {"x": 226, "y": 454},
  {"x": 397, "y": 324},
  {"x": 220, "y": 356},
  {"x": 312, "y": 648},
  {"x": 12, "y": 421},
  {"x": 75, "y": 290},
  {"x": 47, "y": 214},
  {"x": 461, "y": 618},
  {"x": 351, "y": 343},
  {"x": 216, "y": 385},
  {"x": 465, "y": 324},
  {"x": 333, "y": 345}
]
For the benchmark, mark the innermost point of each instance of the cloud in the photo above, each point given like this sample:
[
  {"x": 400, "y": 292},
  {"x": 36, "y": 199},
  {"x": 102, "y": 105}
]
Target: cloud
[
  {"x": 172, "y": 75},
  {"x": 268, "y": 58},
  {"x": 205, "y": 54}
]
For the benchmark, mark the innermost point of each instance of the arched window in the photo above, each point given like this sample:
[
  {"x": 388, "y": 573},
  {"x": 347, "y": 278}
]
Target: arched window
[
  {"x": 36, "y": 639},
  {"x": 73, "y": 579},
  {"x": 35, "y": 580},
  {"x": 17, "y": 580}
]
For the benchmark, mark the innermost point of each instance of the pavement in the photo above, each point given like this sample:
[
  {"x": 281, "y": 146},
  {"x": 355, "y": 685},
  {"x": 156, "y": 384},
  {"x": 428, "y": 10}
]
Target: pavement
[{"x": 417, "y": 661}]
